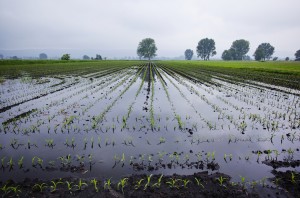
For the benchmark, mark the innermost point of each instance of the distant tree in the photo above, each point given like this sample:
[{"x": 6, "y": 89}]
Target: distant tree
[
  {"x": 65, "y": 57},
  {"x": 14, "y": 58},
  {"x": 287, "y": 58},
  {"x": 246, "y": 57},
  {"x": 267, "y": 51},
  {"x": 188, "y": 54},
  {"x": 206, "y": 48},
  {"x": 239, "y": 48},
  {"x": 227, "y": 55},
  {"x": 275, "y": 58},
  {"x": 147, "y": 48},
  {"x": 259, "y": 54},
  {"x": 297, "y": 54},
  {"x": 43, "y": 56},
  {"x": 98, "y": 57},
  {"x": 86, "y": 57},
  {"x": 1, "y": 56}
]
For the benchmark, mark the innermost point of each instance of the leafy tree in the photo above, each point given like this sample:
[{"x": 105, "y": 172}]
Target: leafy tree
[
  {"x": 14, "y": 58},
  {"x": 86, "y": 57},
  {"x": 275, "y": 58},
  {"x": 188, "y": 54},
  {"x": 259, "y": 54},
  {"x": 147, "y": 48},
  {"x": 43, "y": 56},
  {"x": 65, "y": 57},
  {"x": 1, "y": 56},
  {"x": 267, "y": 51},
  {"x": 239, "y": 48},
  {"x": 227, "y": 55},
  {"x": 297, "y": 54},
  {"x": 98, "y": 57},
  {"x": 287, "y": 58},
  {"x": 206, "y": 48}
]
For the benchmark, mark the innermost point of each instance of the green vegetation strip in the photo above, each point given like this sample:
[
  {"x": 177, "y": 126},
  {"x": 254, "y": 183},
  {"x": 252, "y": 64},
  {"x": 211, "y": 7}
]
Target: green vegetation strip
[
  {"x": 280, "y": 73},
  {"x": 38, "y": 68}
]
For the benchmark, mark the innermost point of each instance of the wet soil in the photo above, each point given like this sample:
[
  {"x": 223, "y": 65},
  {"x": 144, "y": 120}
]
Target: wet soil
[{"x": 208, "y": 185}]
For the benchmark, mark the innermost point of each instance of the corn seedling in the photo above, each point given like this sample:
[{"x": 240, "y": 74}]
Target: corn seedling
[
  {"x": 50, "y": 143},
  {"x": 148, "y": 182},
  {"x": 2, "y": 162},
  {"x": 14, "y": 189},
  {"x": 69, "y": 185},
  {"x": 107, "y": 184},
  {"x": 11, "y": 163},
  {"x": 221, "y": 180},
  {"x": 138, "y": 184},
  {"x": 80, "y": 185},
  {"x": 293, "y": 178},
  {"x": 95, "y": 182},
  {"x": 54, "y": 185},
  {"x": 253, "y": 184},
  {"x": 39, "y": 187},
  {"x": 243, "y": 181},
  {"x": 198, "y": 181},
  {"x": 185, "y": 182},
  {"x": 172, "y": 183},
  {"x": 158, "y": 183},
  {"x": 20, "y": 162},
  {"x": 5, "y": 189},
  {"x": 122, "y": 184}
]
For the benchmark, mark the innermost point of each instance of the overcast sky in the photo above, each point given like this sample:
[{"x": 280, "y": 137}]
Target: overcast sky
[{"x": 115, "y": 27}]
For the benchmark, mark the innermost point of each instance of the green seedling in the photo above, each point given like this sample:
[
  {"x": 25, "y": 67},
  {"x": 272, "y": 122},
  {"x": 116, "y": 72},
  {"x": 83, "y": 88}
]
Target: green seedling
[
  {"x": 269, "y": 153},
  {"x": 5, "y": 189},
  {"x": 2, "y": 162},
  {"x": 258, "y": 154},
  {"x": 158, "y": 183},
  {"x": 80, "y": 159},
  {"x": 253, "y": 184},
  {"x": 107, "y": 184},
  {"x": 69, "y": 185},
  {"x": 138, "y": 184},
  {"x": 293, "y": 178},
  {"x": 50, "y": 143},
  {"x": 20, "y": 162},
  {"x": 148, "y": 182},
  {"x": 185, "y": 182},
  {"x": 162, "y": 140},
  {"x": 243, "y": 181},
  {"x": 221, "y": 180},
  {"x": 14, "y": 189},
  {"x": 123, "y": 158},
  {"x": 95, "y": 182},
  {"x": 11, "y": 163},
  {"x": 172, "y": 183},
  {"x": 54, "y": 185},
  {"x": 80, "y": 185},
  {"x": 39, "y": 187},
  {"x": 198, "y": 181},
  {"x": 122, "y": 184},
  {"x": 73, "y": 145}
]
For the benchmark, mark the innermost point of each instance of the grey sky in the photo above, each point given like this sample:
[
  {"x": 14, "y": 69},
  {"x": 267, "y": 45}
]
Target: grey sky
[{"x": 118, "y": 25}]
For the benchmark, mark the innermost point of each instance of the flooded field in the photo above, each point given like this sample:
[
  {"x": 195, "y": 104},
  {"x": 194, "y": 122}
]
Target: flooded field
[{"x": 149, "y": 118}]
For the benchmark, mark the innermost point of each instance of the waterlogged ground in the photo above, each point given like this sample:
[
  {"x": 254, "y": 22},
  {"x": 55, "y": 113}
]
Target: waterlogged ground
[{"x": 147, "y": 119}]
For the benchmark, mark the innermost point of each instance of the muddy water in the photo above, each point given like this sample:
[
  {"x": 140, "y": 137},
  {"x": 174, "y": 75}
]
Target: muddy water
[{"x": 194, "y": 124}]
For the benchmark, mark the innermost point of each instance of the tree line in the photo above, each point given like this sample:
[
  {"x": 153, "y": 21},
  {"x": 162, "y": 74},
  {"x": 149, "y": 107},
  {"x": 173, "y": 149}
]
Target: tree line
[{"x": 237, "y": 51}]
